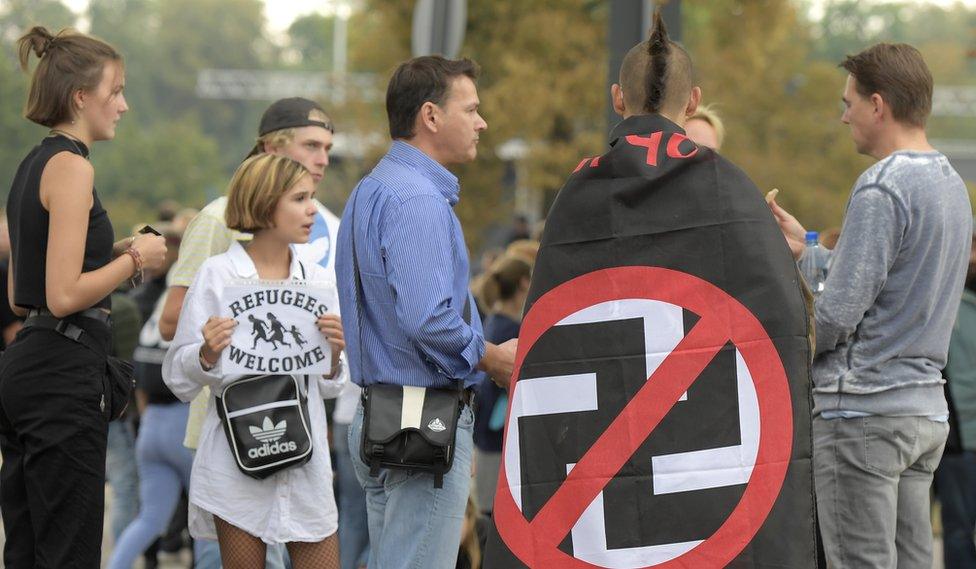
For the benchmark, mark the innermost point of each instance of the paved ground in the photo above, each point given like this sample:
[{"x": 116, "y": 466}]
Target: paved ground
[{"x": 183, "y": 561}]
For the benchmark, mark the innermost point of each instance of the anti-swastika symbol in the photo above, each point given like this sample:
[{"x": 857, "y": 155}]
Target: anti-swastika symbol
[{"x": 675, "y": 358}]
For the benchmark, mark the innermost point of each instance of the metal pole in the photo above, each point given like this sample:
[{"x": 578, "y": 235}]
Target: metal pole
[{"x": 340, "y": 44}]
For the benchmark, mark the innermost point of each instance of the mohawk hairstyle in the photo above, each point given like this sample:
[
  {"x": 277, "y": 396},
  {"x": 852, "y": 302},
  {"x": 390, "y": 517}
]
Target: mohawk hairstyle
[
  {"x": 657, "y": 75},
  {"x": 659, "y": 53}
]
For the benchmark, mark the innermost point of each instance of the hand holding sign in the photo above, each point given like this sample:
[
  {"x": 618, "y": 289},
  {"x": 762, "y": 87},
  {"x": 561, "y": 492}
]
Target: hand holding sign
[
  {"x": 282, "y": 327},
  {"x": 331, "y": 327},
  {"x": 217, "y": 333}
]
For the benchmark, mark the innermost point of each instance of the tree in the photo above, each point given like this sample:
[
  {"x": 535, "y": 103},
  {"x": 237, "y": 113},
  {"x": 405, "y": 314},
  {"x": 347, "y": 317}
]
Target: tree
[
  {"x": 19, "y": 134},
  {"x": 166, "y": 44},
  {"x": 538, "y": 58},
  {"x": 170, "y": 160},
  {"x": 310, "y": 39},
  {"x": 781, "y": 109}
]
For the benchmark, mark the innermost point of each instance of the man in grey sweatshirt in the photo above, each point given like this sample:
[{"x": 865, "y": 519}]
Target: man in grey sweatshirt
[{"x": 884, "y": 319}]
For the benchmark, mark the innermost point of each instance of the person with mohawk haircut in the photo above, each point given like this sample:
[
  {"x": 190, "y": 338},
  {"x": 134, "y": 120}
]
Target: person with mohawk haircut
[{"x": 675, "y": 445}]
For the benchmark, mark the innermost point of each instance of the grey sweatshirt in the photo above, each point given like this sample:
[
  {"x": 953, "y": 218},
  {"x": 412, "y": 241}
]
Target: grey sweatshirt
[{"x": 896, "y": 277}]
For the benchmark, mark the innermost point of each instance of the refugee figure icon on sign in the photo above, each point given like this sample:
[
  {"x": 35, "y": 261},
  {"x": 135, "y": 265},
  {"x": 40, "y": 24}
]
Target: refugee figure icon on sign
[
  {"x": 297, "y": 335},
  {"x": 258, "y": 330}
]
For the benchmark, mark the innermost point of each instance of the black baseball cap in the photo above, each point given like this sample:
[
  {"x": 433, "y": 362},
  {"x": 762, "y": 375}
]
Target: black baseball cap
[{"x": 292, "y": 112}]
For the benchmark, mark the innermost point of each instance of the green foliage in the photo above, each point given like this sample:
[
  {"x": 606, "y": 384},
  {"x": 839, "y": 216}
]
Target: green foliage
[
  {"x": 781, "y": 109},
  {"x": 770, "y": 70},
  {"x": 170, "y": 160},
  {"x": 539, "y": 59},
  {"x": 19, "y": 134},
  {"x": 171, "y": 144},
  {"x": 311, "y": 39}
]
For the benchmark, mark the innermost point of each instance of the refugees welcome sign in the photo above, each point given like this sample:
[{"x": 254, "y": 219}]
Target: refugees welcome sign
[{"x": 276, "y": 326}]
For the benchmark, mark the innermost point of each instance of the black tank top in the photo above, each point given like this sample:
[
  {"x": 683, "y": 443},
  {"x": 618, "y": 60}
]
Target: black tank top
[{"x": 28, "y": 222}]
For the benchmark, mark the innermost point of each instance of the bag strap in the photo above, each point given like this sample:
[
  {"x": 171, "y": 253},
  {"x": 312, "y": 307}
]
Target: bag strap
[
  {"x": 68, "y": 330},
  {"x": 301, "y": 266},
  {"x": 465, "y": 314},
  {"x": 359, "y": 282}
]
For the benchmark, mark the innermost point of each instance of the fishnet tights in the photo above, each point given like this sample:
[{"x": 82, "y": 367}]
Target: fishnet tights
[
  {"x": 323, "y": 554},
  {"x": 241, "y": 550}
]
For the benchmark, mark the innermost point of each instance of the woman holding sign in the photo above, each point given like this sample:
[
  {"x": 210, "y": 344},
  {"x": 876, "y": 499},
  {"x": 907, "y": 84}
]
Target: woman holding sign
[{"x": 231, "y": 499}]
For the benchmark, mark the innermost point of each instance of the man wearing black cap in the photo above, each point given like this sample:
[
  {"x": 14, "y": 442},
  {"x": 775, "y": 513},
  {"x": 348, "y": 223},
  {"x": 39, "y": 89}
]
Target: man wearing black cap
[
  {"x": 295, "y": 127},
  {"x": 299, "y": 129}
]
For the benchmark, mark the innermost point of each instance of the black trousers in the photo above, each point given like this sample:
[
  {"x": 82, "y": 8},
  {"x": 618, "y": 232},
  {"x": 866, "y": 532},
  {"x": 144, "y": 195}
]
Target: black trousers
[{"x": 53, "y": 436}]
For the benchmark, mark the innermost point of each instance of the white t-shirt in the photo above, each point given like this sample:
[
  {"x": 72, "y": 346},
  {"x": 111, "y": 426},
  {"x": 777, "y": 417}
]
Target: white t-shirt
[{"x": 296, "y": 504}]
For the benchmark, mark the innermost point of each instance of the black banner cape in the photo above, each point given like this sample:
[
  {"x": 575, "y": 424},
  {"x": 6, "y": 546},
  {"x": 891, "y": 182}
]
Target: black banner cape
[{"x": 661, "y": 416}]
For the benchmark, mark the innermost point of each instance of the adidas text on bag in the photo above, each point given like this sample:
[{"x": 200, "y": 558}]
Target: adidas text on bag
[{"x": 265, "y": 418}]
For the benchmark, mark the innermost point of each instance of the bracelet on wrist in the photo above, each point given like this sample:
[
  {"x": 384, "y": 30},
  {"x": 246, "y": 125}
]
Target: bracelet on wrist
[
  {"x": 207, "y": 366},
  {"x": 137, "y": 274},
  {"x": 336, "y": 370}
]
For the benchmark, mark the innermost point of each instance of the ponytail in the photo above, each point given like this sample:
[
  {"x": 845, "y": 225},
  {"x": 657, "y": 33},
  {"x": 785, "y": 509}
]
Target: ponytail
[
  {"x": 38, "y": 40},
  {"x": 68, "y": 62}
]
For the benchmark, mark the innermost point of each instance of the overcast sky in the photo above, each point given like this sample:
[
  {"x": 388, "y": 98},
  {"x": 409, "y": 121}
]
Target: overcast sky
[{"x": 280, "y": 14}]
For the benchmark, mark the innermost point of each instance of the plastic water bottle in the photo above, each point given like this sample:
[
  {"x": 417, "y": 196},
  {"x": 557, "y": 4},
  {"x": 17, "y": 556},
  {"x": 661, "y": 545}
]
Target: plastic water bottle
[{"x": 813, "y": 263}]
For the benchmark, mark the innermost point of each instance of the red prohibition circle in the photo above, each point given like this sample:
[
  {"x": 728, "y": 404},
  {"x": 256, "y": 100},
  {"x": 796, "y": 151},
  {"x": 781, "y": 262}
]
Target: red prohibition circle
[{"x": 722, "y": 319}]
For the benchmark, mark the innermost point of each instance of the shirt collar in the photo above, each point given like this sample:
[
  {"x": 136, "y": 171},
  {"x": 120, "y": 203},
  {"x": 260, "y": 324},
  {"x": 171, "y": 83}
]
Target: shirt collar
[
  {"x": 412, "y": 157},
  {"x": 643, "y": 124},
  {"x": 244, "y": 267}
]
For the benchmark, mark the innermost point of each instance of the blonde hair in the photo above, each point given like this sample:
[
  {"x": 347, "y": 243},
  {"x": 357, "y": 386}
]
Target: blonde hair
[
  {"x": 276, "y": 139},
  {"x": 708, "y": 114},
  {"x": 527, "y": 249},
  {"x": 69, "y": 61},
  {"x": 255, "y": 189},
  {"x": 469, "y": 539}
]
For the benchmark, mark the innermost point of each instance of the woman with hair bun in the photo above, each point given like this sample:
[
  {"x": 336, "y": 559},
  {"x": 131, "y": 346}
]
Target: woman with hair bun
[
  {"x": 504, "y": 290},
  {"x": 56, "y": 397}
]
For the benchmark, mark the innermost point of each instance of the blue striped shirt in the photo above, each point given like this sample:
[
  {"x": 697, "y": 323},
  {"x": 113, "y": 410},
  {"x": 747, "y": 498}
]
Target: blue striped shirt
[{"x": 407, "y": 327}]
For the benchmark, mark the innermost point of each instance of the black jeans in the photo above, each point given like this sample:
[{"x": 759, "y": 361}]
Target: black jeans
[{"x": 53, "y": 435}]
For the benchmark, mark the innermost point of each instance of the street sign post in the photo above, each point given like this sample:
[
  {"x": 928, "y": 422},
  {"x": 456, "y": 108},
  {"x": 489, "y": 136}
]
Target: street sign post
[{"x": 438, "y": 27}]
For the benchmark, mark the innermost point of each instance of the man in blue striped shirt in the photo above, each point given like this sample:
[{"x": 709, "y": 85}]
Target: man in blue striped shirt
[{"x": 408, "y": 324}]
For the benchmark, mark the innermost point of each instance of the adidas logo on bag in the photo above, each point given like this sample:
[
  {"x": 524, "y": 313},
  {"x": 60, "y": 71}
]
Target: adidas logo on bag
[
  {"x": 436, "y": 425},
  {"x": 269, "y": 434}
]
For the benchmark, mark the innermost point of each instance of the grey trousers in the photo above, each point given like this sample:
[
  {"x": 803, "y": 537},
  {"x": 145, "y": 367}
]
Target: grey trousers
[{"x": 873, "y": 476}]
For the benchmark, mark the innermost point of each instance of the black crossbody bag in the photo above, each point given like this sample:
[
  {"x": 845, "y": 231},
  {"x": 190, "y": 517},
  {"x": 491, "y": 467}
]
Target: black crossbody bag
[
  {"x": 408, "y": 428},
  {"x": 265, "y": 418},
  {"x": 118, "y": 381}
]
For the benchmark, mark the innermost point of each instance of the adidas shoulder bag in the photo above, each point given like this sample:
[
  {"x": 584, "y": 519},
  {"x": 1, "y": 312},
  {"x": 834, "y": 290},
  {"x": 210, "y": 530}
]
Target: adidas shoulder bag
[{"x": 265, "y": 418}]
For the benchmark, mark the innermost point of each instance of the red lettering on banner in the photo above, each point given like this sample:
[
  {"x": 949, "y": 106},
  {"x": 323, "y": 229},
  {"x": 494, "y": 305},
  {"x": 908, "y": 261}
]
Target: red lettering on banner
[
  {"x": 594, "y": 162},
  {"x": 675, "y": 140},
  {"x": 651, "y": 143}
]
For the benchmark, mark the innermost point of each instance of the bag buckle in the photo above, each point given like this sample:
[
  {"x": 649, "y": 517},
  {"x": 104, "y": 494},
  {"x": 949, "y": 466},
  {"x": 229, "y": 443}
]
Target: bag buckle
[{"x": 68, "y": 330}]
